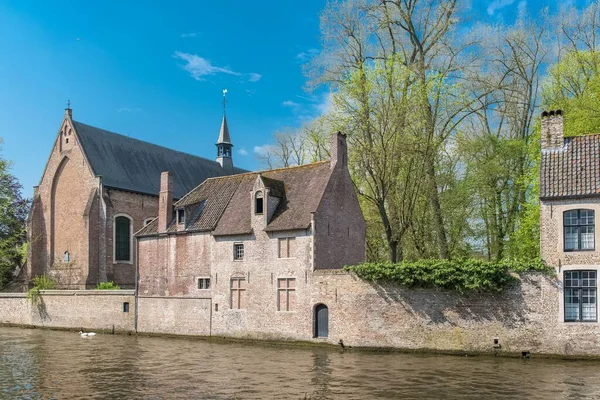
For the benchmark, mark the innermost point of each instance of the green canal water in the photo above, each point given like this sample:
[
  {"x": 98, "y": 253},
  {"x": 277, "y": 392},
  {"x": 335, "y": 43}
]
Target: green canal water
[{"x": 44, "y": 364}]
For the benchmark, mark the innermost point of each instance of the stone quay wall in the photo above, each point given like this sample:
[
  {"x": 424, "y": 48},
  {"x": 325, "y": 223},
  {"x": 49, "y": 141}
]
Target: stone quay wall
[
  {"x": 101, "y": 310},
  {"x": 523, "y": 318}
]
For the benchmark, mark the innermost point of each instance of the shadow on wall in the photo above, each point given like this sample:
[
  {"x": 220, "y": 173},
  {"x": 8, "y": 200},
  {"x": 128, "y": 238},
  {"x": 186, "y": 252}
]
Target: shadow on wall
[{"x": 509, "y": 307}]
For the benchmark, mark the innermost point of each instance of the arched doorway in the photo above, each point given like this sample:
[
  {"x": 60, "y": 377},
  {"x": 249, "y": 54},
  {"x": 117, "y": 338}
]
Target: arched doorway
[{"x": 321, "y": 321}]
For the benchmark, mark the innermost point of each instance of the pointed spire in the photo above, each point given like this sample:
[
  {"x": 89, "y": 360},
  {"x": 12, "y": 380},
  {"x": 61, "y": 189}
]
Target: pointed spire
[{"x": 224, "y": 133}]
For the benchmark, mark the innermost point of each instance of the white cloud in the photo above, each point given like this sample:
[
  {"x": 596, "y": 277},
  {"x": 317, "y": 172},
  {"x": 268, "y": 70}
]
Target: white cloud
[
  {"x": 242, "y": 152},
  {"x": 254, "y": 77},
  {"x": 189, "y": 35},
  {"x": 261, "y": 150},
  {"x": 289, "y": 103},
  {"x": 497, "y": 5},
  {"x": 199, "y": 67},
  {"x": 306, "y": 55},
  {"x": 522, "y": 7},
  {"x": 128, "y": 110}
]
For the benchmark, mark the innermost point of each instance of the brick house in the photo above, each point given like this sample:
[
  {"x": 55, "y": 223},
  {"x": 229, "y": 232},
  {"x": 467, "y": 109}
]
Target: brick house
[
  {"x": 97, "y": 189},
  {"x": 250, "y": 244},
  {"x": 569, "y": 202}
]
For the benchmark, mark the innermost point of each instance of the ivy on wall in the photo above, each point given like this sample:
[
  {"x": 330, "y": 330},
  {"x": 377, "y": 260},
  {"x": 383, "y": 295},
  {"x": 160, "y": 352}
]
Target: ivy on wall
[{"x": 458, "y": 275}]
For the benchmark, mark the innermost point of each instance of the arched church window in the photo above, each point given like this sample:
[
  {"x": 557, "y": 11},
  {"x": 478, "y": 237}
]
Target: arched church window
[
  {"x": 67, "y": 257},
  {"x": 122, "y": 238}
]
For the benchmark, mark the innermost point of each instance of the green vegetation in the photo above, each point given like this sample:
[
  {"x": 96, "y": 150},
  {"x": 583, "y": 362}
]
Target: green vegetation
[
  {"x": 110, "y": 285},
  {"x": 444, "y": 127},
  {"x": 13, "y": 217},
  {"x": 459, "y": 275},
  {"x": 39, "y": 283}
]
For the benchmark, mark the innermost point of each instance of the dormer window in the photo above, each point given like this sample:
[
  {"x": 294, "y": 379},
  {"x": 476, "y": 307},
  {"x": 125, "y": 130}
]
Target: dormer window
[
  {"x": 258, "y": 206},
  {"x": 181, "y": 216}
]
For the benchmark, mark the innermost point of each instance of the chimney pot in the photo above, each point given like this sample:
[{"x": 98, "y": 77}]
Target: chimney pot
[
  {"x": 552, "y": 133},
  {"x": 165, "y": 201},
  {"x": 339, "y": 150}
]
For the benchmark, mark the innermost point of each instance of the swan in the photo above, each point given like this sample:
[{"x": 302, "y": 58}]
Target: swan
[{"x": 86, "y": 334}]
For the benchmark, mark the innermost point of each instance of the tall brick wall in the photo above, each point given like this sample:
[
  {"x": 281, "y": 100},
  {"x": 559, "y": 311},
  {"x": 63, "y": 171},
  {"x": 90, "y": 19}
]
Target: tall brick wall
[
  {"x": 59, "y": 222},
  {"x": 340, "y": 229},
  {"x": 139, "y": 207},
  {"x": 90, "y": 310}
]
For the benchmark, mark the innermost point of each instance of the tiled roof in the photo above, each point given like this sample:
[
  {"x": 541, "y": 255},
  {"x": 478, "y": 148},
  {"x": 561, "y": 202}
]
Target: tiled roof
[
  {"x": 223, "y": 204},
  {"x": 573, "y": 170},
  {"x": 134, "y": 165}
]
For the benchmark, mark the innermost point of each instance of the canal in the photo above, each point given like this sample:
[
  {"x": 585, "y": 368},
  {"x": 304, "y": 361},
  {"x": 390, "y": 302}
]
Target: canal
[{"x": 44, "y": 364}]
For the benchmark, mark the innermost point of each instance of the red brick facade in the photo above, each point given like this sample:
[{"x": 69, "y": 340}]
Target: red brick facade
[{"x": 71, "y": 224}]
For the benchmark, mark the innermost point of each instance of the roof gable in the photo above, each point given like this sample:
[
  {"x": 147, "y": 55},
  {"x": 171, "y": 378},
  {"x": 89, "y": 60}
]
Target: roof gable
[{"x": 134, "y": 165}]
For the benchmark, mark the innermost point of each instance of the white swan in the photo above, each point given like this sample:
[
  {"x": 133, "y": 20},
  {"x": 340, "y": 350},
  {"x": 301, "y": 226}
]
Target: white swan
[{"x": 86, "y": 334}]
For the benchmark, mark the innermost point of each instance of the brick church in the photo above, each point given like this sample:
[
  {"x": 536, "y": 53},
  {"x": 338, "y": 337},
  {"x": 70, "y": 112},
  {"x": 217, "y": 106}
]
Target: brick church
[{"x": 98, "y": 188}]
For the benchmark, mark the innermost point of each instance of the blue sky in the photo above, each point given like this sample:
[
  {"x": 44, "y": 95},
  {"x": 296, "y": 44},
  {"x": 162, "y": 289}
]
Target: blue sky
[{"x": 156, "y": 72}]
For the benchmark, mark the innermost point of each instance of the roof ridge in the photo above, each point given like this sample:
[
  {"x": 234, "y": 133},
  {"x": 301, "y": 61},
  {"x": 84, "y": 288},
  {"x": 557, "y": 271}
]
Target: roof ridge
[{"x": 270, "y": 170}]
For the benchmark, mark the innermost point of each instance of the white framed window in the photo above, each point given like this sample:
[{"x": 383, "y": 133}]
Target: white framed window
[
  {"x": 259, "y": 203},
  {"x": 122, "y": 239},
  {"x": 238, "y": 251},
  {"x": 238, "y": 293},
  {"x": 286, "y": 294},
  {"x": 287, "y": 247},
  {"x": 148, "y": 220},
  {"x": 181, "y": 216},
  {"x": 203, "y": 283},
  {"x": 580, "y": 295},
  {"x": 579, "y": 228}
]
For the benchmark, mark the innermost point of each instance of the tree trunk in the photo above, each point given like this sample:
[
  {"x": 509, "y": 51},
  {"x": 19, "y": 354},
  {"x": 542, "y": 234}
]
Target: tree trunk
[{"x": 438, "y": 220}]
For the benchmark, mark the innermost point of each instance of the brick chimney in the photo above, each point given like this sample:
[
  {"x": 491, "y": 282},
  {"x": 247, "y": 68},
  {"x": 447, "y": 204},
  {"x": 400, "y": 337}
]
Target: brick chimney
[
  {"x": 165, "y": 201},
  {"x": 339, "y": 150},
  {"x": 553, "y": 135}
]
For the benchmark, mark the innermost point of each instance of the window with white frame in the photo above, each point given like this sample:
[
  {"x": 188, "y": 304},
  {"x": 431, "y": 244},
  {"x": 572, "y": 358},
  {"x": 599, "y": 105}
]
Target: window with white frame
[
  {"x": 579, "y": 230},
  {"x": 203, "y": 283},
  {"x": 287, "y": 247},
  {"x": 148, "y": 220},
  {"x": 580, "y": 296},
  {"x": 286, "y": 294},
  {"x": 238, "y": 293},
  {"x": 122, "y": 238},
  {"x": 238, "y": 251}
]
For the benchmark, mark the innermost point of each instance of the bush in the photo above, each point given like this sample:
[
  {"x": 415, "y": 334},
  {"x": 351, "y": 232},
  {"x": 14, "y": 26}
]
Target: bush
[
  {"x": 458, "y": 275},
  {"x": 107, "y": 286},
  {"x": 39, "y": 283}
]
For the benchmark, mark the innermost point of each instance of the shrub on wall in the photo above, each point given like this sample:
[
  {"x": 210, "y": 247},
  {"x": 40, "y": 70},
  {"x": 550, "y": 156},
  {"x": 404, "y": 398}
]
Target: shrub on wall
[
  {"x": 458, "y": 275},
  {"x": 110, "y": 285},
  {"x": 39, "y": 283}
]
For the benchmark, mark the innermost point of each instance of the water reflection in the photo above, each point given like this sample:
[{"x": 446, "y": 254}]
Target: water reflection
[{"x": 49, "y": 364}]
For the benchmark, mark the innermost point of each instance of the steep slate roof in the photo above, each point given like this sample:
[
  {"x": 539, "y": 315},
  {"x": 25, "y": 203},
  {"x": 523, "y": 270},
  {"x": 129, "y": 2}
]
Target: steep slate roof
[
  {"x": 224, "y": 132},
  {"x": 134, "y": 165},
  {"x": 225, "y": 202},
  {"x": 573, "y": 171}
]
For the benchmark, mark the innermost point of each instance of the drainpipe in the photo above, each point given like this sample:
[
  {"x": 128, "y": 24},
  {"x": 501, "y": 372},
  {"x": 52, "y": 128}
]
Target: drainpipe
[{"x": 137, "y": 283}]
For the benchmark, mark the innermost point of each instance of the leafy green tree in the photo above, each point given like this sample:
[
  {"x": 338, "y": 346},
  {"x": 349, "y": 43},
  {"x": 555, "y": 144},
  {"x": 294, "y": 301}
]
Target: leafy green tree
[{"x": 13, "y": 216}]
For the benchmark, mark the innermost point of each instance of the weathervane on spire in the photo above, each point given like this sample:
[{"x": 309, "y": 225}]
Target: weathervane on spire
[
  {"x": 224, "y": 100},
  {"x": 68, "y": 104}
]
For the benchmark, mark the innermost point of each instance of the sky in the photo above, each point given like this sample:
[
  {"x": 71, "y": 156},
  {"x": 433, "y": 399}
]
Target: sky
[{"x": 156, "y": 72}]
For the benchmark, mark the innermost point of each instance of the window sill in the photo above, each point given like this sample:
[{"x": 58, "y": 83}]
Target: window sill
[
  {"x": 579, "y": 323},
  {"x": 122, "y": 262},
  {"x": 287, "y": 258},
  {"x": 579, "y": 251},
  {"x": 238, "y": 260}
]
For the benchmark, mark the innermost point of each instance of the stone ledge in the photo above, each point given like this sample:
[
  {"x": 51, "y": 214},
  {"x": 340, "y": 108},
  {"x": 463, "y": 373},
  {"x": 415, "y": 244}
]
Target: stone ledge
[{"x": 70, "y": 292}]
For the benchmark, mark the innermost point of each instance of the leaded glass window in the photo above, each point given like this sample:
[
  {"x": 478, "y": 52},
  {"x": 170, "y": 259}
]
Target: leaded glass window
[
  {"x": 580, "y": 296},
  {"x": 579, "y": 228},
  {"x": 122, "y": 239}
]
